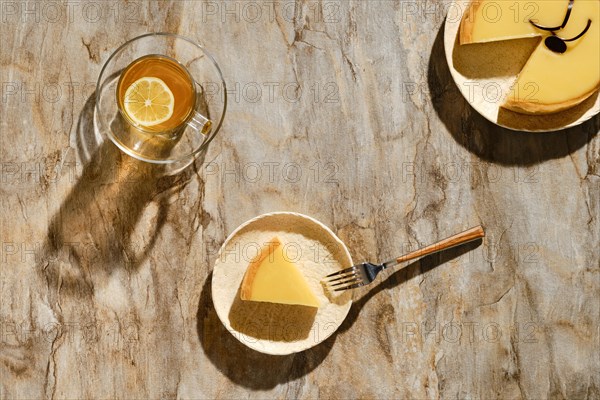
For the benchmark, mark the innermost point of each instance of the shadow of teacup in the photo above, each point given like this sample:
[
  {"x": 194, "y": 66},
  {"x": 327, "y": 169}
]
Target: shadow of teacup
[{"x": 112, "y": 216}]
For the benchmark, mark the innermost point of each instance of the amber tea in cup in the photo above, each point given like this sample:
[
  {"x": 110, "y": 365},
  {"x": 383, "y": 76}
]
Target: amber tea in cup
[
  {"x": 156, "y": 94},
  {"x": 157, "y": 97}
]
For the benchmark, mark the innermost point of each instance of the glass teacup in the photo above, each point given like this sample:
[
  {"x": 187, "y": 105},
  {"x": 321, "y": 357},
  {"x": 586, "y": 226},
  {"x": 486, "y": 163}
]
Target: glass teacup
[{"x": 161, "y": 98}]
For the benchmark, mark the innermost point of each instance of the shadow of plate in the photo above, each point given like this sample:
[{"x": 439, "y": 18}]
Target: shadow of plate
[{"x": 241, "y": 364}]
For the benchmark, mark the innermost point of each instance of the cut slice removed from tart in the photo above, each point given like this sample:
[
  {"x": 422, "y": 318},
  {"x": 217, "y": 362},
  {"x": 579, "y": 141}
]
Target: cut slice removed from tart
[{"x": 564, "y": 69}]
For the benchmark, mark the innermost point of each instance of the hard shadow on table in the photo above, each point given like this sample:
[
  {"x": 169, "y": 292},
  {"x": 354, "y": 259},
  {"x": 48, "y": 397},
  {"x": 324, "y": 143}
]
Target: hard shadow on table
[
  {"x": 259, "y": 371},
  {"x": 92, "y": 232},
  {"x": 487, "y": 140},
  {"x": 244, "y": 366},
  {"x": 398, "y": 278}
]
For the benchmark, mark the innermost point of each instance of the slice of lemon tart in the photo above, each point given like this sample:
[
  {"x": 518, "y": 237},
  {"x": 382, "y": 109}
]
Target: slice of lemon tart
[
  {"x": 564, "y": 69},
  {"x": 272, "y": 277}
]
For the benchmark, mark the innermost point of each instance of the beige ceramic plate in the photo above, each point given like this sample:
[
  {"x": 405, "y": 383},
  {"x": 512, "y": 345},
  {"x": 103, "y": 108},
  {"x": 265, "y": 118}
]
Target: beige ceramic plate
[
  {"x": 277, "y": 328},
  {"x": 485, "y": 72}
]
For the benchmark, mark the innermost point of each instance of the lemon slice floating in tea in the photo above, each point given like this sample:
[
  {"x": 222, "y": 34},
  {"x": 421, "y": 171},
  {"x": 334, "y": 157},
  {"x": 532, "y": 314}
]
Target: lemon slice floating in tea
[{"x": 149, "y": 101}]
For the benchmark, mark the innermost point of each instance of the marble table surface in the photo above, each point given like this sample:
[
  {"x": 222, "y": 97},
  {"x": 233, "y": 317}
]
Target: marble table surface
[{"x": 342, "y": 110}]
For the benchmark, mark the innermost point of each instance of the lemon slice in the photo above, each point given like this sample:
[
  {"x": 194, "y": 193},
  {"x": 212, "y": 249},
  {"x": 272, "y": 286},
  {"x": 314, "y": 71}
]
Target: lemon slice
[{"x": 149, "y": 101}]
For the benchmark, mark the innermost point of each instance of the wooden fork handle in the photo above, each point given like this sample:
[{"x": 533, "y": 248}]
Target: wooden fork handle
[{"x": 460, "y": 238}]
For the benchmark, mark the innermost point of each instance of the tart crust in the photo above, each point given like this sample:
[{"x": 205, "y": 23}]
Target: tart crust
[
  {"x": 465, "y": 36},
  {"x": 266, "y": 250}
]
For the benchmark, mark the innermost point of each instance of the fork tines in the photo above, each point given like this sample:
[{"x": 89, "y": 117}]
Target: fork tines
[{"x": 348, "y": 278}]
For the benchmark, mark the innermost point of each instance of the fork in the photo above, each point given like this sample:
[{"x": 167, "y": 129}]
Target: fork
[{"x": 362, "y": 274}]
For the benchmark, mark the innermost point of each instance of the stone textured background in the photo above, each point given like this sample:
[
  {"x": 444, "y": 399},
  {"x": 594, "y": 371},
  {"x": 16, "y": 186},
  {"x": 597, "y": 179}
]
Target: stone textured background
[{"x": 105, "y": 269}]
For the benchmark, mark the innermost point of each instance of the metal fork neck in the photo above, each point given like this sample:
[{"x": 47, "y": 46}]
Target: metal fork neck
[
  {"x": 388, "y": 264},
  {"x": 371, "y": 270}
]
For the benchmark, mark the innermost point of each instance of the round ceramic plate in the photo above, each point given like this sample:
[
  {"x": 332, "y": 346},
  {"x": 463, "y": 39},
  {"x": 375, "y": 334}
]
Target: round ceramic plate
[
  {"x": 485, "y": 72},
  {"x": 281, "y": 329}
]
